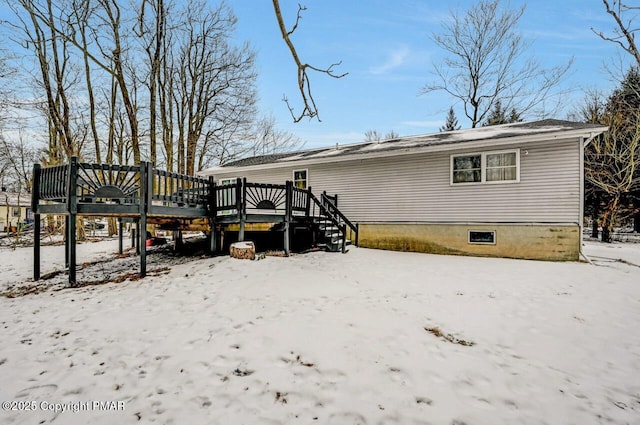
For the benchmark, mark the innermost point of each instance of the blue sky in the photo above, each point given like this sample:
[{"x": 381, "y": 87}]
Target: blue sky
[{"x": 385, "y": 47}]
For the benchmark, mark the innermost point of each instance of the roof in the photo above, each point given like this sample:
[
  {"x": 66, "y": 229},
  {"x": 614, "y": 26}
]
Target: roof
[
  {"x": 11, "y": 199},
  {"x": 535, "y": 130}
]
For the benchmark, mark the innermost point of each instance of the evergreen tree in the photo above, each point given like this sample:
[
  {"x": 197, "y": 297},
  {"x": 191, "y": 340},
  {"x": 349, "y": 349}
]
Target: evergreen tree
[
  {"x": 498, "y": 115},
  {"x": 452, "y": 122}
]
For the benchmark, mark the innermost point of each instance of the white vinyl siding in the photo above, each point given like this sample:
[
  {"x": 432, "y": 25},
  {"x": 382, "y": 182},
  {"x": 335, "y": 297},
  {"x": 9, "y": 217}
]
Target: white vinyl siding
[{"x": 417, "y": 188}]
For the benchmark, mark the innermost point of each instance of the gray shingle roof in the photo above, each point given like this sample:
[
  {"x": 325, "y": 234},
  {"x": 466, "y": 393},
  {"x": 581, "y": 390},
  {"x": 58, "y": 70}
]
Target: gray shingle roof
[{"x": 435, "y": 139}]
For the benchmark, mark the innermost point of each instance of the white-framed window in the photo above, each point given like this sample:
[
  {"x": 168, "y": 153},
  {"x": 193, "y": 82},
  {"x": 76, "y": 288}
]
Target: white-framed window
[
  {"x": 482, "y": 237},
  {"x": 223, "y": 182},
  {"x": 300, "y": 179},
  {"x": 486, "y": 167}
]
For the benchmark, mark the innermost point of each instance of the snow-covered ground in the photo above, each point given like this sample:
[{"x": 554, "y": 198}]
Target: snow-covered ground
[{"x": 328, "y": 338}]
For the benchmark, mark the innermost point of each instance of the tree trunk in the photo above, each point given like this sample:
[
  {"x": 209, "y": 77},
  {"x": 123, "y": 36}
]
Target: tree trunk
[
  {"x": 608, "y": 218},
  {"x": 594, "y": 218}
]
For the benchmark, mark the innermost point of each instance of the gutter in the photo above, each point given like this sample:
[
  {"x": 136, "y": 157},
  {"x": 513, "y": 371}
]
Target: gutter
[
  {"x": 411, "y": 150},
  {"x": 592, "y": 135}
]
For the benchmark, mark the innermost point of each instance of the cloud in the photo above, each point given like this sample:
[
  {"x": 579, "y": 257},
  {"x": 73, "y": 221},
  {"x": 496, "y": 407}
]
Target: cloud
[{"x": 394, "y": 60}]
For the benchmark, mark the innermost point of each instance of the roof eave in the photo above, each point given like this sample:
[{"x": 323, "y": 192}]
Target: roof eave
[{"x": 444, "y": 147}]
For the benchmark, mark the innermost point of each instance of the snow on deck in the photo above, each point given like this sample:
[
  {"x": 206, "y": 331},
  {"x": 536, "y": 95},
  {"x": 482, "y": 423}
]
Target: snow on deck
[{"x": 330, "y": 339}]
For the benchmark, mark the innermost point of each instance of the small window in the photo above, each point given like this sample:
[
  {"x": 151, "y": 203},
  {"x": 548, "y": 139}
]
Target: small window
[
  {"x": 300, "y": 179},
  {"x": 223, "y": 182},
  {"x": 485, "y": 237},
  {"x": 467, "y": 169},
  {"x": 16, "y": 211},
  {"x": 501, "y": 166},
  {"x": 486, "y": 167}
]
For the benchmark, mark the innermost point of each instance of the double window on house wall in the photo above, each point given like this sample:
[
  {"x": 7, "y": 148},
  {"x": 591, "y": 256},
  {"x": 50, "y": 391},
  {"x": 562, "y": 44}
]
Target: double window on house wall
[{"x": 486, "y": 167}]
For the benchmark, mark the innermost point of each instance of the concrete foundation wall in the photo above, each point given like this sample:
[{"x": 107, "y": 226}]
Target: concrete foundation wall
[{"x": 537, "y": 242}]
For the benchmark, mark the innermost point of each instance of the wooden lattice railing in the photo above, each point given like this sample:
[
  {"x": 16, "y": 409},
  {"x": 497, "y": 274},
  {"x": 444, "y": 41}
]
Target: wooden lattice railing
[
  {"x": 108, "y": 183},
  {"x": 180, "y": 189},
  {"x": 51, "y": 182}
]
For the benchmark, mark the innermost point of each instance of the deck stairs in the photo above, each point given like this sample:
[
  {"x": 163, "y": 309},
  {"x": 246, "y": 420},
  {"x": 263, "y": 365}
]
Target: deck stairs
[
  {"x": 333, "y": 228},
  {"x": 330, "y": 237}
]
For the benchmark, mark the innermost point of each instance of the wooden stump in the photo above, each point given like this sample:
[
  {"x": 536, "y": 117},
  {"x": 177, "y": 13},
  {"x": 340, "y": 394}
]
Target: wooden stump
[{"x": 243, "y": 250}]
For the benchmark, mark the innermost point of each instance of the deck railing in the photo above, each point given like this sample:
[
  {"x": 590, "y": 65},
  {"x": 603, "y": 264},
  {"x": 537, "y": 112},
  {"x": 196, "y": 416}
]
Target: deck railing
[
  {"x": 108, "y": 183},
  {"x": 52, "y": 182},
  {"x": 140, "y": 191},
  {"x": 180, "y": 189}
]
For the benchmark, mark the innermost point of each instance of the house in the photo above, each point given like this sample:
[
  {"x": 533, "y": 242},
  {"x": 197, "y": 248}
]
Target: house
[
  {"x": 513, "y": 190},
  {"x": 15, "y": 208}
]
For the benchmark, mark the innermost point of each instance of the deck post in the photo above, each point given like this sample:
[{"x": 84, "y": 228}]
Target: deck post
[
  {"x": 132, "y": 233},
  {"x": 72, "y": 208},
  {"x": 35, "y": 201},
  {"x": 287, "y": 217},
  {"x": 357, "y": 234},
  {"x": 66, "y": 241},
  {"x": 120, "y": 235},
  {"x": 242, "y": 207},
  {"x": 212, "y": 207},
  {"x": 308, "y": 206},
  {"x": 36, "y": 247},
  {"x": 142, "y": 229},
  {"x": 71, "y": 237}
]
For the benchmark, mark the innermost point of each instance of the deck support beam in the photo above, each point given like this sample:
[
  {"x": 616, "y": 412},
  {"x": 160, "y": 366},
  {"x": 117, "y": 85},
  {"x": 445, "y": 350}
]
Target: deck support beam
[
  {"x": 66, "y": 241},
  {"x": 288, "y": 216},
  {"x": 35, "y": 201},
  {"x": 72, "y": 208},
  {"x": 71, "y": 244},
  {"x": 36, "y": 247},
  {"x": 241, "y": 200},
  {"x": 146, "y": 185},
  {"x": 120, "y": 236}
]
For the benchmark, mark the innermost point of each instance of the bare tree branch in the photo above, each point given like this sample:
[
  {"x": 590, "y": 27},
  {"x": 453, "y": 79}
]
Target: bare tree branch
[
  {"x": 304, "y": 84},
  {"x": 624, "y": 32},
  {"x": 486, "y": 63}
]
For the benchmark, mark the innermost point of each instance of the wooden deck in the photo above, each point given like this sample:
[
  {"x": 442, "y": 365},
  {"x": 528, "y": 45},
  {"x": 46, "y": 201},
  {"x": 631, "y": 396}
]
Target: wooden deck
[{"x": 146, "y": 195}]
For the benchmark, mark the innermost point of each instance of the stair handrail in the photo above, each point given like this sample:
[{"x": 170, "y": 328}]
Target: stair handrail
[
  {"x": 334, "y": 220},
  {"x": 336, "y": 211}
]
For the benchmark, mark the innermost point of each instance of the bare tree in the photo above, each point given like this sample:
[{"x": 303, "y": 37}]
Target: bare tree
[
  {"x": 268, "y": 139},
  {"x": 624, "y": 34},
  {"x": 612, "y": 160},
  {"x": 372, "y": 136},
  {"x": 152, "y": 29},
  {"x": 592, "y": 111},
  {"x": 610, "y": 166},
  {"x": 40, "y": 26},
  {"x": 592, "y": 108},
  {"x": 18, "y": 161},
  {"x": 81, "y": 11},
  {"x": 310, "y": 108},
  {"x": 376, "y": 136},
  {"x": 486, "y": 62},
  {"x": 216, "y": 81}
]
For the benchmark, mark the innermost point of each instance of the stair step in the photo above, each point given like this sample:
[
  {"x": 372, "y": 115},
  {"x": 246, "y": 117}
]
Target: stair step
[{"x": 331, "y": 247}]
